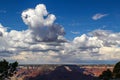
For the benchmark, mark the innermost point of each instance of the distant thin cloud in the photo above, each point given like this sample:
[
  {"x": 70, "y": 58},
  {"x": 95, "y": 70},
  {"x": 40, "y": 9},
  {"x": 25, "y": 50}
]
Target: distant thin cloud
[
  {"x": 75, "y": 32},
  {"x": 3, "y": 11},
  {"x": 99, "y": 16},
  {"x": 75, "y": 24}
]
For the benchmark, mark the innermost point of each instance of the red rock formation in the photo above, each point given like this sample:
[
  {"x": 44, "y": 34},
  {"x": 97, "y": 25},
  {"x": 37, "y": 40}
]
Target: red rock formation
[{"x": 93, "y": 70}]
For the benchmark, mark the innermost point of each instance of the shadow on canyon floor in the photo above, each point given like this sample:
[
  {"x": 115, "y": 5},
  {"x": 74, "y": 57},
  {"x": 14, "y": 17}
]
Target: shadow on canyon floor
[{"x": 65, "y": 72}]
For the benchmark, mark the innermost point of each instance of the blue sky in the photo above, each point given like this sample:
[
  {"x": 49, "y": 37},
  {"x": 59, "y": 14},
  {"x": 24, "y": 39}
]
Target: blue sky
[
  {"x": 74, "y": 15},
  {"x": 50, "y": 31}
]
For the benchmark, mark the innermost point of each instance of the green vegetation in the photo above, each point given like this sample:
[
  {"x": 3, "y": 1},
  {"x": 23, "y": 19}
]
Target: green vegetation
[
  {"x": 116, "y": 70},
  {"x": 7, "y": 69},
  {"x": 107, "y": 75}
]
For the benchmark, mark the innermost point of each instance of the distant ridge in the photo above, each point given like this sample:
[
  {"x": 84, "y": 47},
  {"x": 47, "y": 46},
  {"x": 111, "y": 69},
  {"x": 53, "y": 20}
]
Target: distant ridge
[{"x": 62, "y": 73}]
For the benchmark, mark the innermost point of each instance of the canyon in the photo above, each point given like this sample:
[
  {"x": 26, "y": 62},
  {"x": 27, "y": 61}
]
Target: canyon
[{"x": 60, "y": 72}]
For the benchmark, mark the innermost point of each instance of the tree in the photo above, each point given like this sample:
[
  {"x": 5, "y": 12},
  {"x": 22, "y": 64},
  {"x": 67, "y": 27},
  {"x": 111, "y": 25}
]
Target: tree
[
  {"x": 106, "y": 75},
  {"x": 116, "y": 70},
  {"x": 7, "y": 69}
]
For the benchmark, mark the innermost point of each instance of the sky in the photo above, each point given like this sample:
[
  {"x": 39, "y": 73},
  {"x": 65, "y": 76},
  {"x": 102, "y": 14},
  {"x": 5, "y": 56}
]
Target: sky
[{"x": 60, "y": 31}]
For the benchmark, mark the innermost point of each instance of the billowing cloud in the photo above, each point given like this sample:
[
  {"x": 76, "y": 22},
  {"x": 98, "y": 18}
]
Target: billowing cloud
[
  {"x": 98, "y": 46},
  {"x": 2, "y": 30},
  {"x": 44, "y": 42},
  {"x": 41, "y": 23},
  {"x": 98, "y": 16}
]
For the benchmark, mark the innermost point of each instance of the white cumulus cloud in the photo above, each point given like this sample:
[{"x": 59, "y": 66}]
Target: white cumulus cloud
[
  {"x": 41, "y": 23},
  {"x": 44, "y": 42}
]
